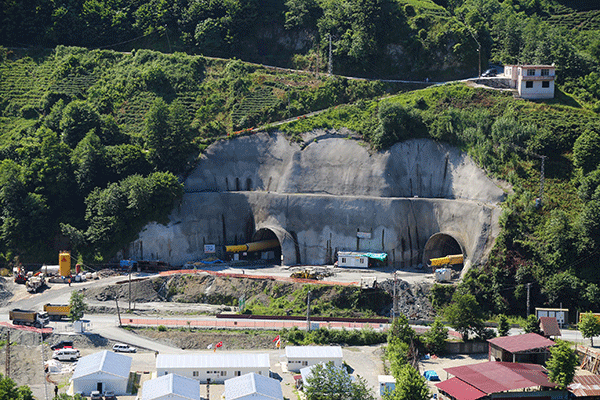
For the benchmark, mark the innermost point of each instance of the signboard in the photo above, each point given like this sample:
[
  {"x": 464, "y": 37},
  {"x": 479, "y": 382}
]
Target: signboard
[
  {"x": 242, "y": 303},
  {"x": 363, "y": 235},
  {"x": 209, "y": 248}
]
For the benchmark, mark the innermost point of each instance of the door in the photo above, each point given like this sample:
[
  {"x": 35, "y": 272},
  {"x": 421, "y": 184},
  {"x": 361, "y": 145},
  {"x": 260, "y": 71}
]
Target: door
[{"x": 99, "y": 387}]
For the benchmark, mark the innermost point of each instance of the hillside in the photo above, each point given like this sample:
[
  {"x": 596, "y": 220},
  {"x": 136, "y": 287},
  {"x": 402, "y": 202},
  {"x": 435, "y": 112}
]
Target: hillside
[
  {"x": 402, "y": 39},
  {"x": 94, "y": 144}
]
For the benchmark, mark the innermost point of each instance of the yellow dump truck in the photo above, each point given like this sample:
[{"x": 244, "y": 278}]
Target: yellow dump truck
[
  {"x": 28, "y": 317},
  {"x": 57, "y": 311},
  {"x": 448, "y": 260}
]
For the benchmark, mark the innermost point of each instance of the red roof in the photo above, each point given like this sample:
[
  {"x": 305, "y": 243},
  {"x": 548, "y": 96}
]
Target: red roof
[
  {"x": 585, "y": 386},
  {"x": 460, "y": 390},
  {"x": 495, "y": 376},
  {"x": 520, "y": 343},
  {"x": 549, "y": 326}
]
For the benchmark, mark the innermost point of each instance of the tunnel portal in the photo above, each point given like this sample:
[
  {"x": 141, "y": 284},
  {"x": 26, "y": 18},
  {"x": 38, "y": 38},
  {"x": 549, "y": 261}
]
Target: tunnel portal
[{"x": 442, "y": 245}]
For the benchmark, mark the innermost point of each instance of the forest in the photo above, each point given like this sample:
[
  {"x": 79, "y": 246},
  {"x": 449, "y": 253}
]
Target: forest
[{"x": 106, "y": 105}]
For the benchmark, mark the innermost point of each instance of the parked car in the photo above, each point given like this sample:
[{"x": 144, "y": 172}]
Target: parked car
[
  {"x": 490, "y": 72},
  {"x": 110, "y": 395},
  {"x": 95, "y": 395},
  {"x": 123, "y": 348},
  {"x": 66, "y": 354},
  {"x": 62, "y": 345}
]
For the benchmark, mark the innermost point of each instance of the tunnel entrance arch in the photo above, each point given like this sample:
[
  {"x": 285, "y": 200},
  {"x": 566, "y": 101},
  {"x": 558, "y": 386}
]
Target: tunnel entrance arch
[
  {"x": 271, "y": 250},
  {"x": 443, "y": 244},
  {"x": 289, "y": 249}
]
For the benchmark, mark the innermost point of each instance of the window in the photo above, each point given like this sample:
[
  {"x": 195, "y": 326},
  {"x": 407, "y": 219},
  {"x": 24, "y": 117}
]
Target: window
[
  {"x": 223, "y": 373},
  {"x": 545, "y": 72},
  {"x": 343, "y": 259},
  {"x": 166, "y": 373},
  {"x": 545, "y": 84},
  {"x": 195, "y": 373},
  {"x": 529, "y": 84},
  {"x": 304, "y": 363},
  {"x": 237, "y": 373},
  {"x": 531, "y": 72},
  {"x": 362, "y": 260}
]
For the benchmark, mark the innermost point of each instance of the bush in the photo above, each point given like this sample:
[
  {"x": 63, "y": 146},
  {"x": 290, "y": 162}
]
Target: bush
[{"x": 162, "y": 328}]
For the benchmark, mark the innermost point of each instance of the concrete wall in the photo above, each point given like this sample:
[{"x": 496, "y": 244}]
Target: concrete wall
[{"x": 315, "y": 200}]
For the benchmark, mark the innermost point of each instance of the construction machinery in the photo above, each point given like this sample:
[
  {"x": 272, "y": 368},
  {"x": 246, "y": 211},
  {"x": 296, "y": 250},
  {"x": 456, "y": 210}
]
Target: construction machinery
[
  {"x": 20, "y": 275},
  {"x": 35, "y": 282},
  {"x": 447, "y": 261},
  {"x": 57, "y": 311},
  {"x": 28, "y": 317},
  {"x": 311, "y": 273}
]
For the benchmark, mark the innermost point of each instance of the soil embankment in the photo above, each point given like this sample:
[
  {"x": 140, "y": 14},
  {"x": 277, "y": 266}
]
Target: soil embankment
[{"x": 208, "y": 294}]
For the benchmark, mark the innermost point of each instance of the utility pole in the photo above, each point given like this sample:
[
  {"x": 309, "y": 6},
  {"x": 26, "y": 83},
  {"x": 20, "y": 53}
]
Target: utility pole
[
  {"x": 117, "y": 302},
  {"x": 43, "y": 359},
  {"x": 168, "y": 41},
  {"x": 308, "y": 312},
  {"x": 542, "y": 179},
  {"x": 7, "y": 372},
  {"x": 130, "y": 288},
  {"x": 528, "y": 291},
  {"x": 395, "y": 300},
  {"x": 330, "y": 66}
]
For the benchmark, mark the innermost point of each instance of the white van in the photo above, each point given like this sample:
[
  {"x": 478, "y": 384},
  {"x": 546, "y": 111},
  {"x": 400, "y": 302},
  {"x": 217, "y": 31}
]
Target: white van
[{"x": 66, "y": 354}]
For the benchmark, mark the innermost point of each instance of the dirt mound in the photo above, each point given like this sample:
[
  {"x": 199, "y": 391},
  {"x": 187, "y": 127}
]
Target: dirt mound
[
  {"x": 269, "y": 296},
  {"x": 141, "y": 291},
  {"x": 202, "y": 339},
  {"x": 5, "y": 291}
]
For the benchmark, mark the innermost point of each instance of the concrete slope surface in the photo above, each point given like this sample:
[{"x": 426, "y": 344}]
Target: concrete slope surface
[{"x": 418, "y": 200}]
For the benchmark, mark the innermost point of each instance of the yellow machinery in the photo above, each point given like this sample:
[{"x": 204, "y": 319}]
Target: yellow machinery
[
  {"x": 448, "y": 260},
  {"x": 254, "y": 246},
  {"x": 64, "y": 262}
]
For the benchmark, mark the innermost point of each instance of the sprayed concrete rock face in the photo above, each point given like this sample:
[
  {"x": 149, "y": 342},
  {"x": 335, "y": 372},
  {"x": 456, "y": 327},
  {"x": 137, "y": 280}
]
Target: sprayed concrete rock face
[{"x": 418, "y": 200}]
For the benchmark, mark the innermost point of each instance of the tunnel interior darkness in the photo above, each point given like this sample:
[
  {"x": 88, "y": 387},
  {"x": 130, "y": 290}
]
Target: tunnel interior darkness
[
  {"x": 266, "y": 234},
  {"x": 441, "y": 245}
]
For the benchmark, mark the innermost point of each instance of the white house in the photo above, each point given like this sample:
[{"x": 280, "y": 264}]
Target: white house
[
  {"x": 253, "y": 387},
  {"x": 355, "y": 259},
  {"x": 305, "y": 356},
  {"x": 214, "y": 366},
  {"x": 102, "y": 371},
  {"x": 171, "y": 387},
  {"x": 532, "y": 81}
]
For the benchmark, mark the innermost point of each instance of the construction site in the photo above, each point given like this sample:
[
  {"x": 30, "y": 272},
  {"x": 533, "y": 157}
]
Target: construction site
[{"x": 265, "y": 199}]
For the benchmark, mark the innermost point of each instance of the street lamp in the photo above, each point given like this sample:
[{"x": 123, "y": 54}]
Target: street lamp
[{"x": 478, "y": 48}]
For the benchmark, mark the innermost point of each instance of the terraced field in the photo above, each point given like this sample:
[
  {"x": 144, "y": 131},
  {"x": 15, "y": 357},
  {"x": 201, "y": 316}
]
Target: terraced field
[{"x": 583, "y": 20}]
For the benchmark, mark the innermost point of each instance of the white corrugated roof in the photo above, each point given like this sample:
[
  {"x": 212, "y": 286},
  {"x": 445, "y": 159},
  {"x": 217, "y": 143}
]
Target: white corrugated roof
[
  {"x": 213, "y": 360},
  {"x": 171, "y": 384},
  {"x": 257, "y": 386},
  {"x": 307, "y": 352},
  {"x": 105, "y": 361}
]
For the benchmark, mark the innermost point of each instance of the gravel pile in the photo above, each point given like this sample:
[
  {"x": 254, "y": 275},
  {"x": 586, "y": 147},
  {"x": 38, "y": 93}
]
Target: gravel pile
[
  {"x": 5, "y": 292},
  {"x": 141, "y": 291},
  {"x": 413, "y": 300}
]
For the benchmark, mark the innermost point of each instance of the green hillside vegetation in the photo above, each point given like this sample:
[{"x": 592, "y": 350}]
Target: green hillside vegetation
[
  {"x": 374, "y": 38},
  {"x": 554, "y": 246},
  {"x": 94, "y": 144}
]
